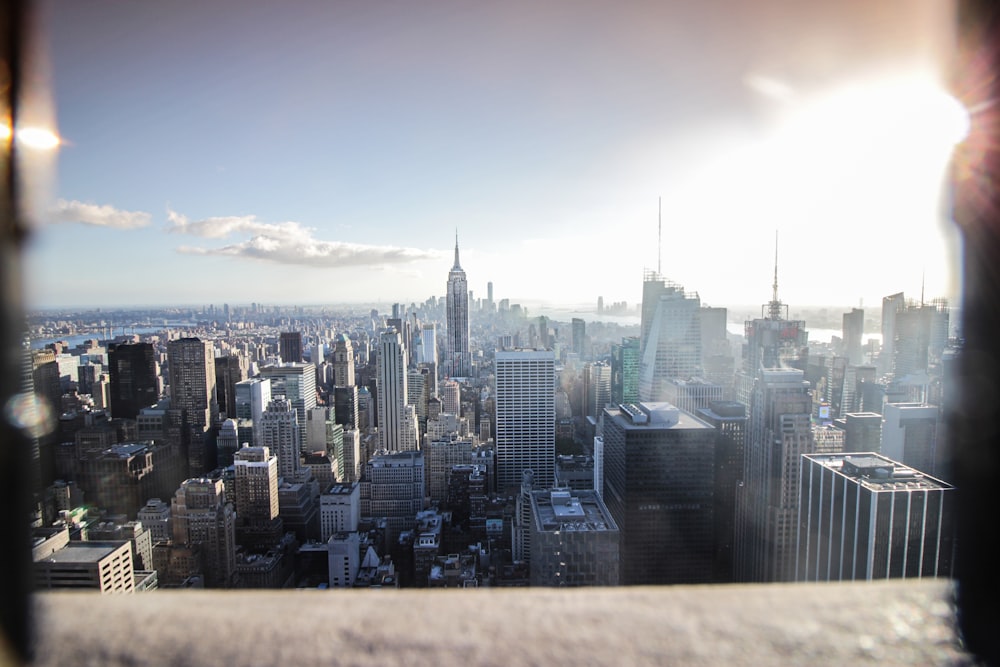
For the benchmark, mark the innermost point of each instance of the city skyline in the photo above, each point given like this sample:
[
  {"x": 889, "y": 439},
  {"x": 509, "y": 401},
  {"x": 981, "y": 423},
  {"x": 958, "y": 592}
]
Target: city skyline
[{"x": 342, "y": 159}]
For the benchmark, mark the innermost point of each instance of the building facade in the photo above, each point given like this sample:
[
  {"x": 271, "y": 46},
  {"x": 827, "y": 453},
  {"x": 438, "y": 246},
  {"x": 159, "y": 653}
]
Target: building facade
[{"x": 525, "y": 416}]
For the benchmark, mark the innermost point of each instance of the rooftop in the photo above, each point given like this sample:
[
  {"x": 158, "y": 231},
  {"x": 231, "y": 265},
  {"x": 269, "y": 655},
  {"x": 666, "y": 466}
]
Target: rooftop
[
  {"x": 877, "y": 472},
  {"x": 561, "y": 509},
  {"x": 83, "y": 552}
]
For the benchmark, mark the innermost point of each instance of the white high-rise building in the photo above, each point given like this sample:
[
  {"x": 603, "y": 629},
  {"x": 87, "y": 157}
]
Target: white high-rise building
[
  {"x": 339, "y": 510},
  {"x": 525, "y": 416},
  {"x": 391, "y": 368},
  {"x": 280, "y": 434},
  {"x": 457, "y": 310},
  {"x": 296, "y": 382}
]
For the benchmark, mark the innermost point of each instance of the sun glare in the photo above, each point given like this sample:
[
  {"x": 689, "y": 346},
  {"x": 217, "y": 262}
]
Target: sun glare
[{"x": 37, "y": 138}]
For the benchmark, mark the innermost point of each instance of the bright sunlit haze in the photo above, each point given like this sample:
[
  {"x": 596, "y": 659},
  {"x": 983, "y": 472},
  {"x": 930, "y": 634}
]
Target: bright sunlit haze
[{"x": 327, "y": 152}]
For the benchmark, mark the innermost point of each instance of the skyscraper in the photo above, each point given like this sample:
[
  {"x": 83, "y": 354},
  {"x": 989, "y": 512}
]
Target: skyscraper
[
  {"x": 133, "y": 379},
  {"x": 252, "y": 397},
  {"x": 625, "y": 371},
  {"x": 228, "y": 371},
  {"x": 280, "y": 434},
  {"x": 343, "y": 362},
  {"x": 256, "y": 484},
  {"x": 909, "y": 434},
  {"x": 297, "y": 383},
  {"x": 771, "y": 341},
  {"x": 291, "y": 346},
  {"x": 579, "y": 335},
  {"x": 525, "y": 416},
  {"x": 192, "y": 379},
  {"x": 854, "y": 329},
  {"x": 202, "y": 516},
  {"x": 392, "y": 385},
  {"x": 779, "y": 433},
  {"x": 457, "y": 310},
  {"x": 671, "y": 346},
  {"x": 891, "y": 305},
  {"x": 658, "y": 485},
  {"x": 864, "y": 516}
]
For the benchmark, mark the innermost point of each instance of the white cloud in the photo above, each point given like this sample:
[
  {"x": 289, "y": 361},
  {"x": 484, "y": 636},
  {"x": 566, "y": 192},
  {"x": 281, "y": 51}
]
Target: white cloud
[
  {"x": 97, "y": 215},
  {"x": 287, "y": 243}
]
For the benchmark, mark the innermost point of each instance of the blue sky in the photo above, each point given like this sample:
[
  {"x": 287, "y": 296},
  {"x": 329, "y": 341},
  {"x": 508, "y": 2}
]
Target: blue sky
[{"x": 321, "y": 152}]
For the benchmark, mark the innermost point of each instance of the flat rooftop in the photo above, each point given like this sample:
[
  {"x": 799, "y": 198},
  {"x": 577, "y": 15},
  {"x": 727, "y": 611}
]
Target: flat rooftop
[
  {"x": 83, "y": 552},
  {"x": 878, "y": 473},
  {"x": 660, "y": 415},
  {"x": 570, "y": 511}
]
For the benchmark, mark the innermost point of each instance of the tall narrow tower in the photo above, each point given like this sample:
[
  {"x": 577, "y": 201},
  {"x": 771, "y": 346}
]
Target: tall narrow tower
[{"x": 457, "y": 307}]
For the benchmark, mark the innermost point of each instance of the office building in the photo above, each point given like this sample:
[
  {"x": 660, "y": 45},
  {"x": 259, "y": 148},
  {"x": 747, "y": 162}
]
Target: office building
[
  {"x": 671, "y": 346},
  {"x": 227, "y": 442},
  {"x": 729, "y": 418},
  {"x": 779, "y": 432},
  {"x": 574, "y": 540},
  {"x": 457, "y": 311},
  {"x": 280, "y": 431},
  {"x": 339, "y": 509},
  {"x": 155, "y": 517},
  {"x": 201, "y": 516},
  {"x": 910, "y": 433},
  {"x": 659, "y": 485},
  {"x": 853, "y": 331},
  {"x": 625, "y": 371},
  {"x": 579, "y": 331},
  {"x": 103, "y": 566},
  {"x": 426, "y": 345},
  {"x": 864, "y": 516},
  {"x": 297, "y": 383},
  {"x": 345, "y": 406},
  {"x": 863, "y": 432},
  {"x": 192, "y": 380},
  {"x": 441, "y": 454},
  {"x": 343, "y": 361},
  {"x": 133, "y": 379},
  {"x": 772, "y": 341},
  {"x": 290, "y": 346},
  {"x": 891, "y": 306},
  {"x": 692, "y": 395},
  {"x": 252, "y": 397},
  {"x": 258, "y": 525},
  {"x": 525, "y": 416},
  {"x": 228, "y": 371},
  {"x": 392, "y": 487},
  {"x": 392, "y": 388},
  {"x": 596, "y": 388}
]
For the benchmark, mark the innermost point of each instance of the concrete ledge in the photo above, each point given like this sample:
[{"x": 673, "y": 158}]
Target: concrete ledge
[{"x": 884, "y": 623}]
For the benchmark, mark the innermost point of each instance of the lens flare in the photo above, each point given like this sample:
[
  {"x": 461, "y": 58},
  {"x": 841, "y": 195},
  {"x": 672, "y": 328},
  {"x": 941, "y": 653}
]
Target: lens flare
[{"x": 35, "y": 138}]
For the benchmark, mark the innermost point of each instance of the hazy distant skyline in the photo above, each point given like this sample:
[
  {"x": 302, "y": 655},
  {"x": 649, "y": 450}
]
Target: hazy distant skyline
[{"x": 323, "y": 152}]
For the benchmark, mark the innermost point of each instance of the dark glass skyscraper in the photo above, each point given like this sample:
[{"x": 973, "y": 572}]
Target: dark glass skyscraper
[
  {"x": 133, "y": 379},
  {"x": 659, "y": 484}
]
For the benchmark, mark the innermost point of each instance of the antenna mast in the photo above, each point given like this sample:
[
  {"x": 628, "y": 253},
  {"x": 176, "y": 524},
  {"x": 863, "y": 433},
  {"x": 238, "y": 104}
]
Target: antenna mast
[
  {"x": 659, "y": 236},
  {"x": 774, "y": 308}
]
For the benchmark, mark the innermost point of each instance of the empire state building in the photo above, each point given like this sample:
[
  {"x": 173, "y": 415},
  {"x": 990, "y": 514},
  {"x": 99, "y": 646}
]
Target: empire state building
[{"x": 457, "y": 307}]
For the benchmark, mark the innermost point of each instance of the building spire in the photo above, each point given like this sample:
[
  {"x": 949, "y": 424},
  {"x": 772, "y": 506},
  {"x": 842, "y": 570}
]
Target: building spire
[
  {"x": 774, "y": 307},
  {"x": 457, "y": 267},
  {"x": 659, "y": 235}
]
